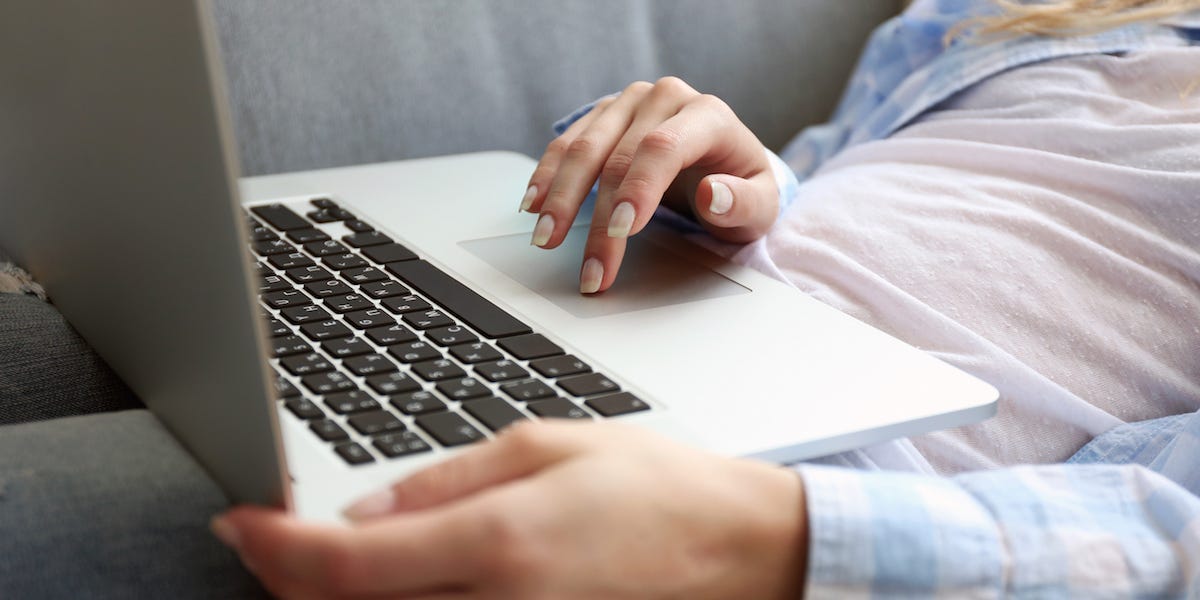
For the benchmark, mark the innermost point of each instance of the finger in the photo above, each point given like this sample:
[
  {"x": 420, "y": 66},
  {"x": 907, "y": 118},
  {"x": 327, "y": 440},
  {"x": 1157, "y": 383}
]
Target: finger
[
  {"x": 580, "y": 166},
  {"x": 543, "y": 173},
  {"x": 519, "y": 451},
  {"x": 703, "y": 133},
  {"x": 736, "y": 209},
  {"x": 413, "y": 553}
]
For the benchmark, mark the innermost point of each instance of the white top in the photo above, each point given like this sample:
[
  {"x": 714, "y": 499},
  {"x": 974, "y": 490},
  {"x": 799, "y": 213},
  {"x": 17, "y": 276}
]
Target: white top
[{"x": 1041, "y": 231}]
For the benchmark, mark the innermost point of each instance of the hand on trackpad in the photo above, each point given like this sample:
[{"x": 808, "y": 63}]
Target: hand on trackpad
[{"x": 651, "y": 276}]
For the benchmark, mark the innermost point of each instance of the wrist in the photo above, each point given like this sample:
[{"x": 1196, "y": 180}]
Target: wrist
[{"x": 779, "y": 531}]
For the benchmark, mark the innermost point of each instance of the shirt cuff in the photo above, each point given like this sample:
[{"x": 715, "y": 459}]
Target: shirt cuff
[{"x": 901, "y": 534}]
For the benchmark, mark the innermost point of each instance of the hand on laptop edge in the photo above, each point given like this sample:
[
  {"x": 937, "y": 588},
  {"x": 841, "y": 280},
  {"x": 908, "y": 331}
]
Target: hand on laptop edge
[
  {"x": 661, "y": 142},
  {"x": 558, "y": 510}
]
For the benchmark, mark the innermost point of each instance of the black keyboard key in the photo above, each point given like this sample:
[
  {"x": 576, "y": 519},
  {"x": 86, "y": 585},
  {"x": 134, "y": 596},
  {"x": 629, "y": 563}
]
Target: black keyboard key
[
  {"x": 588, "y": 385},
  {"x": 404, "y": 443},
  {"x": 427, "y": 319},
  {"x": 284, "y": 388},
  {"x": 391, "y": 335},
  {"x": 437, "y": 370},
  {"x": 273, "y": 283},
  {"x": 323, "y": 215},
  {"x": 370, "y": 238},
  {"x": 325, "y": 203},
  {"x": 327, "y": 288},
  {"x": 330, "y": 382},
  {"x": 363, "y": 275},
  {"x": 475, "y": 353},
  {"x": 308, "y": 274},
  {"x": 286, "y": 299},
  {"x": 369, "y": 364},
  {"x": 328, "y": 431},
  {"x": 294, "y": 260},
  {"x": 393, "y": 383},
  {"x": 305, "y": 364},
  {"x": 527, "y": 347},
  {"x": 354, "y": 454},
  {"x": 358, "y": 226},
  {"x": 449, "y": 429},
  {"x": 272, "y": 247},
  {"x": 477, "y": 311},
  {"x": 258, "y": 233},
  {"x": 418, "y": 403},
  {"x": 557, "y": 408},
  {"x": 280, "y": 217},
  {"x": 347, "y": 303},
  {"x": 528, "y": 390},
  {"x": 277, "y": 328},
  {"x": 375, "y": 423},
  {"x": 347, "y": 403},
  {"x": 326, "y": 248},
  {"x": 617, "y": 404},
  {"x": 449, "y": 336},
  {"x": 463, "y": 389},
  {"x": 405, "y": 304},
  {"x": 304, "y": 408},
  {"x": 388, "y": 253},
  {"x": 501, "y": 370},
  {"x": 341, "y": 214},
  {"x": 493, "y": 412},
  {"x": 559, "y": 366},
  {"x": 341, "y": 262},
  {"x": 320, "y": 331},
  {"x": 305, "y": 236},
  {"x": 411, "y": 352},
  {"x": 346, "y": 348},
  {"x": 384, "y": 289},
  {"x": 297, "y": 315},
  {"x": 370, "y": 318},
  {"x": 289, "y": 345}
]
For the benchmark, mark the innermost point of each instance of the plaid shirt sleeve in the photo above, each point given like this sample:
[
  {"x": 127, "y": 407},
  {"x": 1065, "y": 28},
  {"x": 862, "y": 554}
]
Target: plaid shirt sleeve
[{"x": 1074, "y": 530}]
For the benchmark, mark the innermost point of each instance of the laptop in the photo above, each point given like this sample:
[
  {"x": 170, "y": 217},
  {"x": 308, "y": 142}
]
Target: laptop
[{"x": 310, "y": 337}]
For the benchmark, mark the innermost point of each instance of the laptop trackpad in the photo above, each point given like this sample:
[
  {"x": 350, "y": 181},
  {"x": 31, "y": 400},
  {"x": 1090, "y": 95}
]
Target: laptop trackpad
[{"x": 651, "y": 276}]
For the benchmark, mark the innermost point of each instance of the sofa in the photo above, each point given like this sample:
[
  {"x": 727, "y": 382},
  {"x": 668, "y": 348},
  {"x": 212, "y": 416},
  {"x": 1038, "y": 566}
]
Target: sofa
[{"x": 96, "y": 499}]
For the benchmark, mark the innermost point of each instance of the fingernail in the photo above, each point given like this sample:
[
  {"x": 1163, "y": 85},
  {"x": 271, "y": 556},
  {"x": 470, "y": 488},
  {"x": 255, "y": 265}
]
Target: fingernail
[
  {"x": 543, "y": 229},
  {"x": 589, "y": 279},
  {"x": 722, "y": 198},
  {"x": 377, "y": 504},
  {"x": 226, "y": 532},
  {"x": 621, "y": 221},
  {"x": 530, "y": 194}
]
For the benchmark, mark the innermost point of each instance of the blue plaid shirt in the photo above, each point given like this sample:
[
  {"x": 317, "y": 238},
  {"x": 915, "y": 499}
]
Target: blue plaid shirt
[{"x": 1121, "y": 519}]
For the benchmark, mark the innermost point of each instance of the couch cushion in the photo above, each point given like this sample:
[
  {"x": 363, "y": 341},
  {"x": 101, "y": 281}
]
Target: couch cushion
[{"x": 320, "y": 84}]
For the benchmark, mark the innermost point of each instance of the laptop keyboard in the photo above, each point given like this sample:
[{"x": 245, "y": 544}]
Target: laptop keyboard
[{"x": 384, "y": 355}]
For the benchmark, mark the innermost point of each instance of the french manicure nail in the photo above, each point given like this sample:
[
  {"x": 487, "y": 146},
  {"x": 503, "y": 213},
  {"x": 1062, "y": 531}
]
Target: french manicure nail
[
  {"x": 377, "y": 504},
  {"x": 543, "y": 229},
  {"x": 530, "y": 194},
  {"x": 621, "y": 221},
  {"x": 722, "y": 198},
  {"x": 589, "y": 279},
  {"x": 226, "y": 532}
]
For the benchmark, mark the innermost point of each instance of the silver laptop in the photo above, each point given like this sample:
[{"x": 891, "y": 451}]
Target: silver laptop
[{"x": 312, "y": 336}]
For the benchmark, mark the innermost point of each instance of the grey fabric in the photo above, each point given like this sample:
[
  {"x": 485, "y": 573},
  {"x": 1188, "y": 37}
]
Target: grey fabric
[
  {"x": 109, "y": 506},
  {"x": 47, "y": 370},
  {"x": 321, "y": 84}
]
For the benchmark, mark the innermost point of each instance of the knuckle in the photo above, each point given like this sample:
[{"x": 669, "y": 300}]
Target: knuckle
[
  {"x": 660, "y": 141},
  {"x": 672, "y": 84},
  {"x": 713, "y": 103},
  {"x": 517, "y": 557},
  {"x": 557, "y": 146},
  {"x": 617, "y": 166},
  {"x": 639, "y": 87},
  {"x": 582, "y": 147}
]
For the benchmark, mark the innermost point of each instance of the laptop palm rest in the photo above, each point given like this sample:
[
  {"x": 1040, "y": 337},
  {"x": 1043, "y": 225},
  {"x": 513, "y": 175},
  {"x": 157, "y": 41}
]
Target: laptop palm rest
[{"x": 651, "y": 276}]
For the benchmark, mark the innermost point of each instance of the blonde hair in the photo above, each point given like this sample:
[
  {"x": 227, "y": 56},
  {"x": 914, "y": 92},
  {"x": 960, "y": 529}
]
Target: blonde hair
[{"x": 1069, "y": 17}]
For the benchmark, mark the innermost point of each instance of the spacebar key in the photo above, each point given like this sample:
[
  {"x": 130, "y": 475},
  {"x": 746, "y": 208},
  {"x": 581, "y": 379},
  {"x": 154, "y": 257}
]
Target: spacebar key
[{"x": 487, "y": 318}]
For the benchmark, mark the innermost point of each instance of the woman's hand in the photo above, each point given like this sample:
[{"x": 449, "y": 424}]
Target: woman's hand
[
  {"x": 661, "y": 142},
  {"x": 548, "y": 510}
]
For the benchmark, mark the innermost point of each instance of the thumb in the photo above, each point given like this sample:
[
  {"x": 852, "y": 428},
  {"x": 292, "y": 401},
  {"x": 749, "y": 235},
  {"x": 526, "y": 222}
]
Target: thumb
[{"x": 736, "y": 209}]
